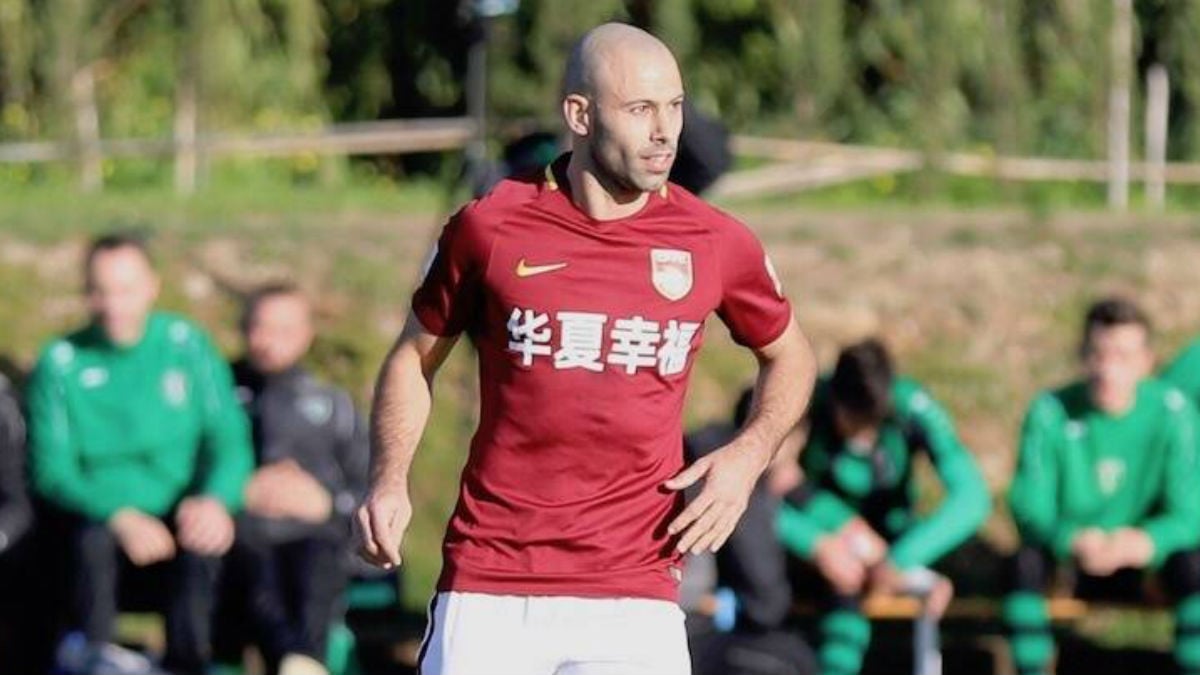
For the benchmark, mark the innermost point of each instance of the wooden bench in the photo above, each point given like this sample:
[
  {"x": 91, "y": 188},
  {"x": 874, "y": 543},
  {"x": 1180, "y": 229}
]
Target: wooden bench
[{"x": 977, "y": 622}]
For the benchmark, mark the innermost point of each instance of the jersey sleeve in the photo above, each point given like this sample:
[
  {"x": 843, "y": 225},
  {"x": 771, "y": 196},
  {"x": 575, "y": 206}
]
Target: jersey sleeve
[
  {"x": 753, "y": 305},
  {"x": 450, "y": 294},
  {"x": 1174, "y": 527},
  {"x": 798, "y": 530},
  {"x": 966, "y": 504},
  {"x": 814, "y": 510},
  {"x": 54, "y": 462},
  {"x": 1033, "y": 497},
  {"x": 226, "y": 446}
]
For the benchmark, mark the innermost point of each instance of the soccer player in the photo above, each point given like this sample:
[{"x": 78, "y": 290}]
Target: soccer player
[
  {"x": 1106, "y": 483},
  {"x": 311, "y": 449},
  {"x": 857, "y": 525},
  {"x": 135, "y": 433},
  {"x": 585, "y": 290}
]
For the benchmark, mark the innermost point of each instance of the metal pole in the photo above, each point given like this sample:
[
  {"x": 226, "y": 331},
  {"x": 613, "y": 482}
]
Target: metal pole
[
  {"x": 1121, "y": 46},
  {"x": 927, "y": 648},
  {"x": 477, "y": 102},
  {"x": 1157, "y": 116}
]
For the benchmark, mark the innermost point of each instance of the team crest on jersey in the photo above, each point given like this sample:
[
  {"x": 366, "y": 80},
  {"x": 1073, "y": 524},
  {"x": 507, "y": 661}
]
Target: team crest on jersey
[
  {"x": 671, "y": 272},
  {"x": 174, "y": 386},
  {"x": 93, "y": 377},
  {"x": 1109, "y": 473}
]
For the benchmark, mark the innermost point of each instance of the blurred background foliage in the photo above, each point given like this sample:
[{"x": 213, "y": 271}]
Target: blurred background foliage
[{"x": 1007, "y": 76}]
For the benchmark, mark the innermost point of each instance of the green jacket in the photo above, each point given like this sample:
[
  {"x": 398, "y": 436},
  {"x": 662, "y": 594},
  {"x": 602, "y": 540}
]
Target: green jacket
[
  {"x": 1079, "y": 467},
  {"x": 879, "y": 484},
  {"x": 140, "y": 426}
]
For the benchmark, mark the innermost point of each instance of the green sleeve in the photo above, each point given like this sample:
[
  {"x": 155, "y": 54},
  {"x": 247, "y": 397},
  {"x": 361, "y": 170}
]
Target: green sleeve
[
  {"x": 798, "y": 530},
  {"x": 828, "y": 510},
  {"x": 228, "y": 457},
  {"x": 54, "y": 462},
  {"x": 966, "y": 504},
  {"x": 1033, "y": 498},
  {"x": 1184, "y": 371},
  {"x": 800, "y": 524},
  {"x": 1177, "y": 526}
]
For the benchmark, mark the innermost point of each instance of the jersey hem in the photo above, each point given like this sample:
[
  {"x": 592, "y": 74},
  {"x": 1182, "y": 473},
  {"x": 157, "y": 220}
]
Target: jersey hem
[{"x": 595, "y": 585}]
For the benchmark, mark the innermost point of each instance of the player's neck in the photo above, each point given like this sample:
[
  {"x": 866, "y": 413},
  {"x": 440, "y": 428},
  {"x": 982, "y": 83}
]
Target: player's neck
[{"x": 597, "y": 197}]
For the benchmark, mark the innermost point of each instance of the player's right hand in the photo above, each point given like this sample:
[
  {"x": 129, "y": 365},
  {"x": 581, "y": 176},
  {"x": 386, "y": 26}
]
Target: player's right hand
[
  {"x": 379, "y": 526},
  {"x": 144, "y": 538},
  {"x": 1094, "y": 554},
  {"x": 864, "y": 542}
]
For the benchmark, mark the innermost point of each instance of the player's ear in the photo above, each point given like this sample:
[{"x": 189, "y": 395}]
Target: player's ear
[{"x": 577, "y": 111}]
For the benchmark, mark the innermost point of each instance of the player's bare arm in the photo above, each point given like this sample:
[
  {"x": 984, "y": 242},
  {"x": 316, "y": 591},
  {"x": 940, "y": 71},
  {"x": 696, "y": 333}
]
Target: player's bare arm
[
  {"x": 787, "y": 370},
  {"x": 403, "y": 394}
]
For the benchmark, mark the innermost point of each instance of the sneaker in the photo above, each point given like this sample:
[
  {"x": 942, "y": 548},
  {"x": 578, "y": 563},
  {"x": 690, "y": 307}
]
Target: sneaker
[
  {"x": 299, "y": 664},
  {"x": 71, "y": 655},
  {"x": 110, "y": 659}
]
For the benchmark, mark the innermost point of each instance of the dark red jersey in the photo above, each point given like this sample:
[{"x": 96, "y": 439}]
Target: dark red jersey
[{"x": 587, "y": 332}]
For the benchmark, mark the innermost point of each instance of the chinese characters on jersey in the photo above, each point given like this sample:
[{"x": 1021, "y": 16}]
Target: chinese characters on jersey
[{"x": 633, "y": 343}]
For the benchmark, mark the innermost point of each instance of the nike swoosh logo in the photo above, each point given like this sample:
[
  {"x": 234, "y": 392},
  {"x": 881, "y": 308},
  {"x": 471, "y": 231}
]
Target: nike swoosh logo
[{"x": 524, "y": 270}]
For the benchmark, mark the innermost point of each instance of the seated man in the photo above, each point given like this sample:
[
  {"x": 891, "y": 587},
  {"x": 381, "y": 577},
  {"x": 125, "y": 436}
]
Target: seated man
[
  {"x": 136, "y": 435},
  {"x": 752, "y": 603},
  {"x": 1106, "y": 482},
  {"x": 312, "y": 453},
  {"x": 856, "y": 524}
]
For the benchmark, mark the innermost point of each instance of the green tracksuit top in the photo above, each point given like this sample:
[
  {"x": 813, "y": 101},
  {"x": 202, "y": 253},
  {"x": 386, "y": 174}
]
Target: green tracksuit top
[
  {"x": 139, "y": 426},
  {"x": 878, "y": 484},
  {"x": 1079, "y": 467}
]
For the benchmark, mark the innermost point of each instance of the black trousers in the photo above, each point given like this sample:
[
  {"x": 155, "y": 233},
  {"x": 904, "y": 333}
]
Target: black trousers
[
  {"x": 182, "y": 588},
  {"x": 1034, "y": 569},
  {"x": 780, "y": 651},
  {"x": 286, "y": 591},
  {"x": 24, "y": 639}
]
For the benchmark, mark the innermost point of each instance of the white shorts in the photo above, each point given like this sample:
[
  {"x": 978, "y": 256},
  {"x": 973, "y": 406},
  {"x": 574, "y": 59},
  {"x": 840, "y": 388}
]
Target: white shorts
[{"x": 480, "y": 634}]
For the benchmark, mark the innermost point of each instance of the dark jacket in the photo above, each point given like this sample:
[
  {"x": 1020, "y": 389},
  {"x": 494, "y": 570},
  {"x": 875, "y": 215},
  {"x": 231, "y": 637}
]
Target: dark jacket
[
  {"x": 752, "y": 563},
  {"x": 16, "y": 514},
  {"x": 295, "y": 416}
]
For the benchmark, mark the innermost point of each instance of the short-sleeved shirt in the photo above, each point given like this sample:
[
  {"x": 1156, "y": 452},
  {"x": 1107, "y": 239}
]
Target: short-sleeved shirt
[{"x": 587, "y": 332}]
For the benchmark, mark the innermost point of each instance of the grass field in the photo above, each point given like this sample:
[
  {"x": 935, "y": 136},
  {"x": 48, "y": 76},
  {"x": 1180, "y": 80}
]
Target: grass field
[{"x": 981, "y": 303}]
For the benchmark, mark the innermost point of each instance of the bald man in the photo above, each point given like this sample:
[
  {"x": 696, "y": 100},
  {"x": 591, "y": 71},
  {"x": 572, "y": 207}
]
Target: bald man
[{"x": 585, "y": 290}]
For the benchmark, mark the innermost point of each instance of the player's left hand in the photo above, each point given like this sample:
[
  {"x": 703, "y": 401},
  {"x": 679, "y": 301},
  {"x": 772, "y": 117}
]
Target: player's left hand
[
  {"x": 204, "y": 526},
  {"x": 1134, "y": 547},
  {"x": 729, "y": 476}
]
